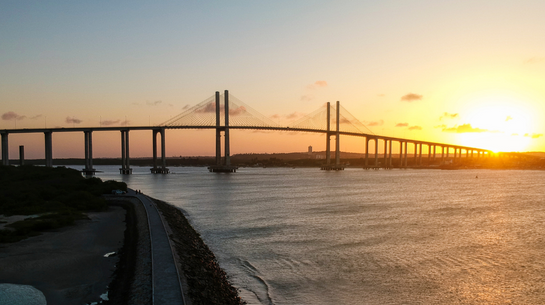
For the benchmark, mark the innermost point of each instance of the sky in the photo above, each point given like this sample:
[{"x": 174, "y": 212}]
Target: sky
[{"x": 462, "y": 72}]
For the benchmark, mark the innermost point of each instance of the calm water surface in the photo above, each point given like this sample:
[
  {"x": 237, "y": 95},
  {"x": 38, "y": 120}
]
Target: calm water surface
[{"x": 305, "y": 236}]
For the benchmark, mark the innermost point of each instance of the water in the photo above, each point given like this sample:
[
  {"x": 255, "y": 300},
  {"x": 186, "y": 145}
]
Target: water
[{"x": 305, "y": 236}]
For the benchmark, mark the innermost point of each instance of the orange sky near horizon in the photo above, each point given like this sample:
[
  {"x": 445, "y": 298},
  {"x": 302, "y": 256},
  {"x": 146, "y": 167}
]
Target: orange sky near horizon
[{"x": 468, "y": 73}]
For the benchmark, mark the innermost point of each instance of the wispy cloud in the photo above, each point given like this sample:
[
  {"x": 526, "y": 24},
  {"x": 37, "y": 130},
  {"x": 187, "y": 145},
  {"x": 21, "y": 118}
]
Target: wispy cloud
[
  {"x": 415, "y": 128},
  {"x": 307, "y": 97},
  {"x": 10, "y": 115},
  {"x": 411, "y": 97},
  {"x": 109, "y": 122},
  {"x": 534, "y": 60},
  {"x": 402, "y": 124},
  {"x": 374, "y": 123},
  {"x": 73, "y": 120},
  {"x": 508, "y": 118},
  {"x": 317, "y": 84},
  {"x": 440, "y": 126},
  {"x": 36, "y": 117},
  {"x": 381, "y": 95},
  {"x": 154, "y": 103},
  {"x": 533, "y": 135},
  {"x": 465, "y": 128},
  {"x": 447, "y": 115}
]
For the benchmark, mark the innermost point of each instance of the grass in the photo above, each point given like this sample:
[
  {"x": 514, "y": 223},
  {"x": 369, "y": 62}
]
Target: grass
[{"x": 59, "y": 195}]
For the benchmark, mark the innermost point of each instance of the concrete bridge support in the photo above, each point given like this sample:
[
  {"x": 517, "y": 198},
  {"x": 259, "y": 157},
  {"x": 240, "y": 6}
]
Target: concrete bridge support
[
  {"x": 420, "y": 154},
  {"x": 390, "y": 165},
  {"x": 21, "y": 155},
  {"x": 337, "y": 165},
  {"x": 125, "y": 156},
  {"x": 328, "y": 136},
  {"x": 338, "y": 137},
  {"x": 405, "y": 159},
  {"x": 385, "y": 153},
  {"x": 222, "y": 165},
  {"x": 48, "y": 149},
  {"x": 88, "y": 170},
  {"x": 400, "y": 154},
  {"x": 163, "y": 169},
  {"x": 376, "y": 153},
  {"x": 5, "y": 149},
  {"x": 442, "y": 154},
  {"x": 366, "y": 152}
]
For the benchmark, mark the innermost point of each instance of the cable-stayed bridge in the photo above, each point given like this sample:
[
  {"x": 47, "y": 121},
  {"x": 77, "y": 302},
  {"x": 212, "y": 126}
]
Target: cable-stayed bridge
[{"x": 224, "y": 112}]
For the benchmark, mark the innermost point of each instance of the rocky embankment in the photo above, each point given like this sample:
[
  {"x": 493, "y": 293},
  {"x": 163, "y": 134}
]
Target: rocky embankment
[{"x": 207, "y": 282}]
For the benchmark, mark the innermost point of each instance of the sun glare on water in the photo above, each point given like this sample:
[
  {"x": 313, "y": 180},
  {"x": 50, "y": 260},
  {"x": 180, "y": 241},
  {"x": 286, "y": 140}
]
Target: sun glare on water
[{"x": 499, "y": 124}]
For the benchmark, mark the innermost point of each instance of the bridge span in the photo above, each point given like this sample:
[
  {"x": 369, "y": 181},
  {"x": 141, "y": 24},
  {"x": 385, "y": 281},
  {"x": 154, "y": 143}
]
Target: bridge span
[{"x": 208, "y": 115}]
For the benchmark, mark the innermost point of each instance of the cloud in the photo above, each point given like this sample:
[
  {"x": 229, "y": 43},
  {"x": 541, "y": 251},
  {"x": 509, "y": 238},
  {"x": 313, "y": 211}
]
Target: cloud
[
  {"x": 415, "y": 128},
  {"x": 72, "y": 120},
  {"x": 440, "y": 126},
  {"x": 155, "y": 103},
  {"x": 275, "y": 116},
  {"x": 465, "y": 128},
  {"x": 136, "y": 103},
  {"x": 36, "y": 117},
  {"x": 534, "y": 60},
  {"x": 321, "y": 83},
  {"x": 294, "y": 115},
  {"x": 208, "y": 108},
  {"x": 534, "y": 135},
  {"x": 307, "y": 97},
  {"x": 375, "y": 123},
  {"x": 381, "y": 95},
  {"x": 447, "y": 115},
  {"x": 402, "y": 124},
  {"x": 125, "y": 123},
  {"x": 508, "y": 118},
  {"x": 109, "y": 122},
  {"x": 10, "y": 115},
  {"x": 317, "y": 84},
  {"x": 411, "y": 97},
  {"x": 237, "y": 111}
]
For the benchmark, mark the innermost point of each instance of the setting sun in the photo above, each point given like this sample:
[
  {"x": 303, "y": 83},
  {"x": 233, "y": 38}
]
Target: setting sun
[{"x": 499, "y": 123}]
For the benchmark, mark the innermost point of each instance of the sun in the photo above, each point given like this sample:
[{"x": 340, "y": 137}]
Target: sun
[{"x": 500, "y": 123}]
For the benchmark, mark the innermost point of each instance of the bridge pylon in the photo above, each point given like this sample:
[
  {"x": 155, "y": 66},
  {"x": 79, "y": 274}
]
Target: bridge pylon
[
  {"x": 223, "y": 165},
  {"x": 337, "y": 165}
]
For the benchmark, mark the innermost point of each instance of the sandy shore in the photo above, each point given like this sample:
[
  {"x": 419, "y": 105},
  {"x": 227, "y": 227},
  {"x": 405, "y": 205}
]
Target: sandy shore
[{"x": 67, "y": 265}]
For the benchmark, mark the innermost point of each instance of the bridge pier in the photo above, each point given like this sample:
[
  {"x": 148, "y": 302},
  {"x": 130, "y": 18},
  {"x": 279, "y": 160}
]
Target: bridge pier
[
  {"x": 225, "y": 166},
  {"x": 163, "y": 169},
  {"x": 125, "y": 161},
  {"x": 5, "y": 149},
  {"x": 390, "y": 165},
  {"x": 88, "y": 170},
  {"x": 48, "y": 149},
  {"x": 366, "y": 153}
]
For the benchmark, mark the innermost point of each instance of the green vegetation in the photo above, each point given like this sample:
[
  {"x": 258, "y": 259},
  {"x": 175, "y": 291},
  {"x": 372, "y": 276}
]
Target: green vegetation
[{"x": 59, "y": 196}]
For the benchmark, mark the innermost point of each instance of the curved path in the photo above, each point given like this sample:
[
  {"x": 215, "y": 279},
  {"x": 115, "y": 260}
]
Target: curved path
[{"x": 166, "y": 284}]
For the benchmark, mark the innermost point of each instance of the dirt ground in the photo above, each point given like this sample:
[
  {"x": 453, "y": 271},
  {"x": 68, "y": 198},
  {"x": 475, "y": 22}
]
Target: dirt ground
[{"x": 67, "y": 265}]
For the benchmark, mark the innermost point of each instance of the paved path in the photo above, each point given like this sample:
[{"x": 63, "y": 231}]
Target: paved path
[{"x": 166, "y": 283}]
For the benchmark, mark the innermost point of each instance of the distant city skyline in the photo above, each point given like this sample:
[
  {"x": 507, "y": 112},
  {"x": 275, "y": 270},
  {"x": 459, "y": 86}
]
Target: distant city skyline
[{"x": 467, "y": 73}]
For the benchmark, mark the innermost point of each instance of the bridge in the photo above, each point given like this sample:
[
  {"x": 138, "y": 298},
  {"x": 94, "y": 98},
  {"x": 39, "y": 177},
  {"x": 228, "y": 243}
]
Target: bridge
[{"x": 234, "y": 114}]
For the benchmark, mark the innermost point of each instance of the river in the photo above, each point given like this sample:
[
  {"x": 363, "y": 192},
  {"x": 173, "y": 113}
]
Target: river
[{"x": 305, "y": 236}]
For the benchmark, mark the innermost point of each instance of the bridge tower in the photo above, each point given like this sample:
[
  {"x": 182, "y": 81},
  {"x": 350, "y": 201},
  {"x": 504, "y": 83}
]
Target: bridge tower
[
  {"x": 223, "y": 165},
  {"x": 337, "y": 165}
]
